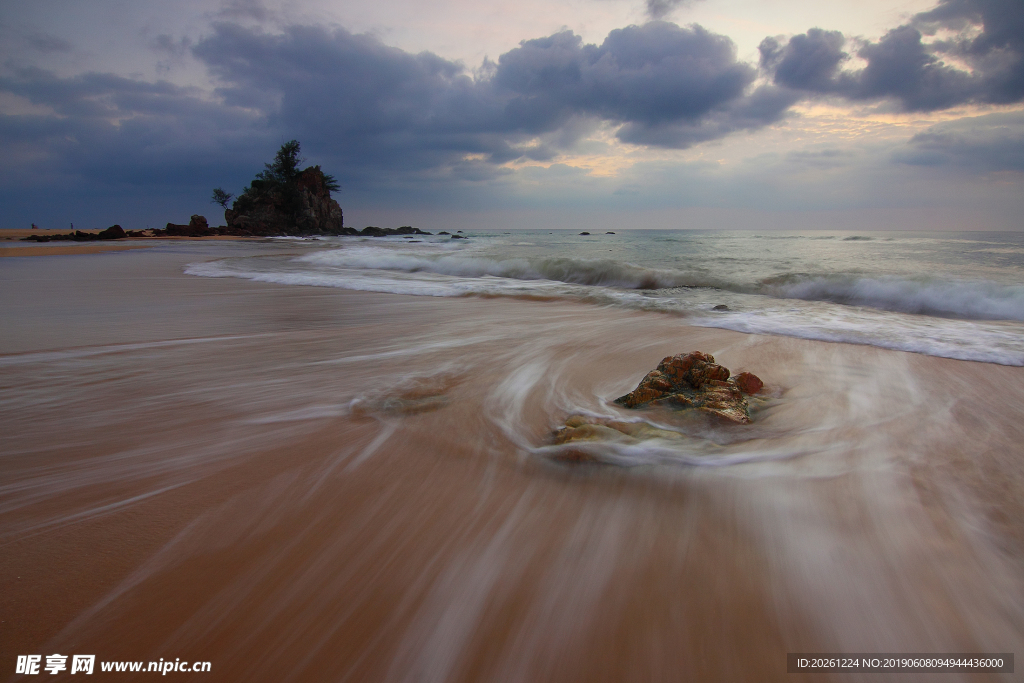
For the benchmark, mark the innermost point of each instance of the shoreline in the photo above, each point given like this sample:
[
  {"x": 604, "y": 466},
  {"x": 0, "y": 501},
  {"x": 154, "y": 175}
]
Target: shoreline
[{"x": 235, "y": 480}]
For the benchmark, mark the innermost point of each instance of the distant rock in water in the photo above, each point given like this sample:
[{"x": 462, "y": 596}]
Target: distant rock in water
[
  {"x": 458, "y": 237},
  {"x": 584, "y": 233},
  {"x": 720, "y": 307},
  {"x": 444, "y": 232},
  {"x": 609, "y": 233}
]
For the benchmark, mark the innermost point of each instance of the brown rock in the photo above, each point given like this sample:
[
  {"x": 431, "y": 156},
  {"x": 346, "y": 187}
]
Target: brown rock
[{"x": 748, "y": 383}]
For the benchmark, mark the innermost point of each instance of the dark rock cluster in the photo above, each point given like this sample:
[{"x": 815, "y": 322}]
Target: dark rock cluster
[{"x": 114, "y": 232}]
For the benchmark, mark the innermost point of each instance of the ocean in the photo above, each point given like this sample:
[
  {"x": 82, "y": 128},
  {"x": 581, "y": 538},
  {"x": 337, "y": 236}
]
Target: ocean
[
  {"x": 334, "y": 459},
  {"x": 954, "y": 295}
]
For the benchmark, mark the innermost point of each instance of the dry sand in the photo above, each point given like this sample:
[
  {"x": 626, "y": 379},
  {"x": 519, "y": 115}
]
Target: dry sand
[{"x": 302, "y": 484}]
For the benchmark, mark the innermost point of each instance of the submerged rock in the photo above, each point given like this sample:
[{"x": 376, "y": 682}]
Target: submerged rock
[{"x": 585, "y": 428}]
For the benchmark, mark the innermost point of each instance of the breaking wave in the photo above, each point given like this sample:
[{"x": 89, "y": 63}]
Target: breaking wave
[{"x": 961, "y": 299}]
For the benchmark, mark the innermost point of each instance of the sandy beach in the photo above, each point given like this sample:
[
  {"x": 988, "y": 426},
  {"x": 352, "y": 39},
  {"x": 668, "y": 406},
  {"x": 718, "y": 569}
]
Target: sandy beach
[{"x": 307, "y": 483}]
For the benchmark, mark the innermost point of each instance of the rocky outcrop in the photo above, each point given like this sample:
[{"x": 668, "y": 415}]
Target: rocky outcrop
[
  {"x": 694, "y": 381},
  {"x": 197, "y": 227},
  {"x": 301, "y": 207}
]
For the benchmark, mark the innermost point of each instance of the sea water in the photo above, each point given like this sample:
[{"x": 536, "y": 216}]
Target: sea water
[{"x": 954, "y": 295}]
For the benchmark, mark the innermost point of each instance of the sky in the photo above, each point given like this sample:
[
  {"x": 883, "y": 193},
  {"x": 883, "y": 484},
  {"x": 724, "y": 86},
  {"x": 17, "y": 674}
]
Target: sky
[{"x": 459, "y": 114}]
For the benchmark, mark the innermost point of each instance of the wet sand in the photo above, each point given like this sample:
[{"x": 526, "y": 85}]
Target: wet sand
[{"x": 315, "y": 484}]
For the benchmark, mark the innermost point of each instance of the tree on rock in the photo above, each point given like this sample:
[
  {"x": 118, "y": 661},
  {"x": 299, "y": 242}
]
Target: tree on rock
[
  {"x": 285, "y": 167},
  {"x": 221, "y": 197},
  {"x": 284, "y": 200}
]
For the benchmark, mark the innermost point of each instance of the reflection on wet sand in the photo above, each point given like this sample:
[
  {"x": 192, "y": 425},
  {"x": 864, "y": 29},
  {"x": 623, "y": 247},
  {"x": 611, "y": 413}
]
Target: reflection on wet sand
[{"x": 354, "y": 486}]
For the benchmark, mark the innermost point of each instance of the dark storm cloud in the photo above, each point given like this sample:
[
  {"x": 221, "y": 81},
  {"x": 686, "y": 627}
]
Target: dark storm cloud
[
  {"x": 904, "y": 67},
  {"x": 985, "y": 143}
]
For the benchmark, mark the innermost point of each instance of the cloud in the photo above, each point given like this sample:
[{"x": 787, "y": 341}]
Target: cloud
[
  {"x": 166, "y": 44},
  {"x": 809, "y": 61},
  {"x": 380, "y": 109},
  {"x": 902, "y": 66},
  {"x": 244, "y": 9},
  {"x": 650, "y": 78},
  {"x": 48, "y": 43},
  {"x": 994, "y": 142},
  {"x": 110, "y": 130},
  {"x": 659, "y": 9},
  {"x": 380, "y": 118}
]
